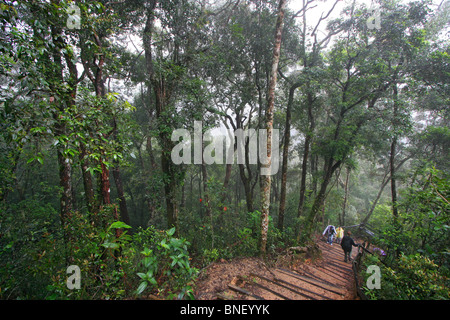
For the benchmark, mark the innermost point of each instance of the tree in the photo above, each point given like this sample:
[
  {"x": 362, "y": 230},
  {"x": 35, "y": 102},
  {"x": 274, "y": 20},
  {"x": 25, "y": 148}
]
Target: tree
[
  {"x": 266, "y": 179},
  {"x": 356, "y": 83},
  {"x": 239, "y": 66},
  {"x": 167, "y": 68}
]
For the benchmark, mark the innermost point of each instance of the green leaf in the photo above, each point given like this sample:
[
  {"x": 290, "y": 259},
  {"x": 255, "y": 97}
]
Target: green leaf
[
  {"x": 141, "y": 275},
  {"x": 147, "y": 262},
  {"x": 147, "y": 252},
  {"x": 119, "y": 225},
  {"x": 171, "y": 232},
  {"x": 142, "y": 287},
  {"x": 110, "y": 245}
]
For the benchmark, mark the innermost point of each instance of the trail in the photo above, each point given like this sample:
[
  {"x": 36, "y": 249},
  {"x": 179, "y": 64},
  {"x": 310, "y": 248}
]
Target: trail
[{"x": 330, "y": 278}]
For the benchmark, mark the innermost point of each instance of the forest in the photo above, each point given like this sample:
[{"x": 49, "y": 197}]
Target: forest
[{"x": 143, "y": 140}]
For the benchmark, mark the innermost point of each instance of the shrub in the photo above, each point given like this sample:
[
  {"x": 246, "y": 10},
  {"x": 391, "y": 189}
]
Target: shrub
[
  {"x": 165, "y": 266},
  {"x": 414, "y": 277}
]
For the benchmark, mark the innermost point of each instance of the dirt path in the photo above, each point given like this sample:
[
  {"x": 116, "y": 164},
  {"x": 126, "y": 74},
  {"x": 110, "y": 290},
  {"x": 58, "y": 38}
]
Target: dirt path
[{"x": 329, "y": 278}]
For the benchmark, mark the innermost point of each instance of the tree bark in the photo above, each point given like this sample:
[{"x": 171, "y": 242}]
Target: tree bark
[
  {"x": 87, "y": 180},
  {"x": 284, "y": 166},
  {"x": 67, "y": 100},
  {"x": 207, "y": 200},
  {"x": 266, "y": 179},
  {"x": 392, "y": 157},
  {"x": 344, "y": 205},
  {"x": 118, "y": 182},
  {"x": 308, "y": 141},
  {"x": 120, "y": 194}
]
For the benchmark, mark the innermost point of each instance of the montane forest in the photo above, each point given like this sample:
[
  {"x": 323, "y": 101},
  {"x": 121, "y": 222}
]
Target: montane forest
[{"x": 144, "y": 143}]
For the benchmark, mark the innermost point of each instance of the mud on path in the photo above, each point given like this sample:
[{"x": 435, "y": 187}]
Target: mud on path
[{"x": 328, "y": 278}]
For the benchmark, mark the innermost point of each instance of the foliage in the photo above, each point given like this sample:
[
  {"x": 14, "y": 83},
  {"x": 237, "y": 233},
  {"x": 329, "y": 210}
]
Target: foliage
[
  {"x": 413, "y": 277},
  {"x": 103, "y": 256},
  {"x": 166, "y": 267},
  {"x": 30, "y": 249},
  {"x": 427, "y": 214},
  {"x": 420, "y": 233},
  {"x": 423, "y": 222},
  {"x": 86, "y": 118}
]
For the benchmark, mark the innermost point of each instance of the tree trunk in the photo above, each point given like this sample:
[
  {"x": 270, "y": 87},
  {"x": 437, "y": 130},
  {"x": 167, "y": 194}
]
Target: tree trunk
[
  {"x": 308, "y": 140},
  {"x": 319, "y": 200},
  {"x": 120, "y": 194},
  {"x": 105, "y": 187},
  {"x": 118, "y": 181},
  {"x": 65, "y": 182},
  {"x": 266, "y": 179},
  {"x": 162, "y": 90},
  {"x": 301, "y": 202},
  {"x": 94, "y": 71},
  {"x": 386, "y": 180},
  {"x": 87, "y": 180},
  {"x": 392, "y": 157},
  {"x": 247, "y": 188},
  {"x": 67, "y": 100},
  {"x": 226, "y": 182},
  {"x": 284, "y": 166},
  {"x": 342, "y": 222},
  {"x": 205, "y": 188},
  {"x": 372, "y": 208},
  {"x": 170, "y": 187},
  {"x": 151, "y": 189},
  {"x": 207, "y": 200}
]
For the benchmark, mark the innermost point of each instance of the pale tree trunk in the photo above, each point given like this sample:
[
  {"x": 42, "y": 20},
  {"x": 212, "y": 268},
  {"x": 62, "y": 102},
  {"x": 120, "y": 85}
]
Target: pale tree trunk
[{"x": 266, "y": 179}]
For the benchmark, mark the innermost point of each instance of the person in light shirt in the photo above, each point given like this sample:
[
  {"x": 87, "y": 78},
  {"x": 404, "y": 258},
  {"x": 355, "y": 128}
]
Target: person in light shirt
[{"x": 329, "y": 232}]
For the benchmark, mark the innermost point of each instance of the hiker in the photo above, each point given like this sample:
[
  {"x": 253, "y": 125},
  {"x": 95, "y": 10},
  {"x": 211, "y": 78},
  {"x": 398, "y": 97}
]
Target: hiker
[
  {"x": 329, "y": 232},
  {"x": 339, "y": 234},
  {"x": 346, "y": 244}
]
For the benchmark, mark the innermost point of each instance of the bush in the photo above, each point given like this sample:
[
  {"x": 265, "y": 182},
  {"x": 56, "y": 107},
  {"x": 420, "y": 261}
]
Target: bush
[
  {"x": 165, "y": 266},
  {"x": 30, "y": 249},
  {"x": 414, "y": 277},
  {"x": 104, "y": 255}
]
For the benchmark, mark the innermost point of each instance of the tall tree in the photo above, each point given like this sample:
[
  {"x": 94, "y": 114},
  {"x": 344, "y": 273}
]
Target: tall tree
[
  {"x": 353, "y": 91},
  {"x": 266, "y": 179},
  {"x": 170, "y": 74}
]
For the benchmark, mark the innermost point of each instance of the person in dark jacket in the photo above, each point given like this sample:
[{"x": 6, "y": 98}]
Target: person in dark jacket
[{"x": 346, "y": 244}]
